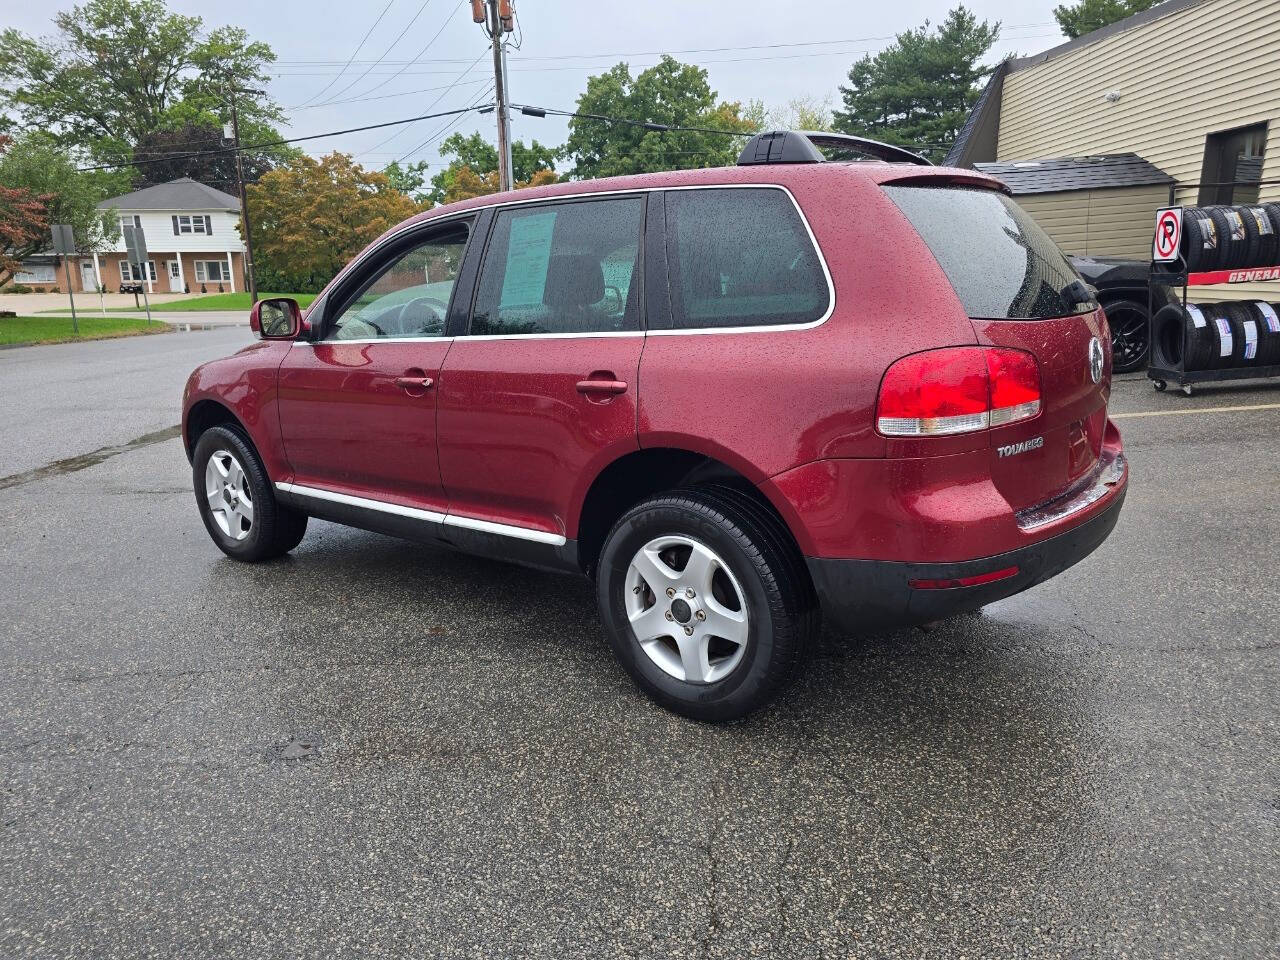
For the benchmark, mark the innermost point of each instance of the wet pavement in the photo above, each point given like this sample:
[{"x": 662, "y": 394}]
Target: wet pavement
[{"x": 376, "y": 749}]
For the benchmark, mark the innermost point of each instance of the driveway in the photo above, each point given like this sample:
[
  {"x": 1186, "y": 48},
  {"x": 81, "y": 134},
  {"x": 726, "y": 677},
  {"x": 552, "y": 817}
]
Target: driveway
[{"x": 376, "y": 749}]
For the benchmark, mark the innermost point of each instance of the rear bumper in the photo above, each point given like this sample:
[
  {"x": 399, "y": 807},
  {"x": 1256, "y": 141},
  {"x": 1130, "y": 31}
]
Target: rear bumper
[{"x": 856, "y": 594}]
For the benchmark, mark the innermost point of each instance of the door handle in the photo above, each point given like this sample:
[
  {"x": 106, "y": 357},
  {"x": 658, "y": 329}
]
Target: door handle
[
  {"x": 602, "y": 386},
  {"x": 413, "y": 383}
]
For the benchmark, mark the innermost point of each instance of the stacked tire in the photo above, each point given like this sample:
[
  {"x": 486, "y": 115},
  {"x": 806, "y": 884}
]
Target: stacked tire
[
  {"x": 1228, "y": 238},
  {"x": 1217, "y": 335}
]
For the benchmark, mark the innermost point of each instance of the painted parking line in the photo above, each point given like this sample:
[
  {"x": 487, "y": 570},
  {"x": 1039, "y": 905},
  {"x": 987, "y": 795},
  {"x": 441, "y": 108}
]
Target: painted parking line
[{"x": 1190, "y": 410}]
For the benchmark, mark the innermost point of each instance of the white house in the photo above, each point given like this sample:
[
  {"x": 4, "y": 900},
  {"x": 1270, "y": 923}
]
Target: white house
[{"x": 193, "y": 240}]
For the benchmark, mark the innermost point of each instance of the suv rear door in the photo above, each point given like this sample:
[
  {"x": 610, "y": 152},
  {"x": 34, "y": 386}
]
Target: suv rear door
[{"x": 540, "y": 392}]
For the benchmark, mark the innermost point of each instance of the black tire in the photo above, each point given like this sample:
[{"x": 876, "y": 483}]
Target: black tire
[
  {"x": 1170, "y": 323},
  {"x": 274, "y": 529},
  {"x": 1268, "y": 331},
  {"x": 1201, "y": 239},
  {"x": 1273, "y": 213},
  {"x": 1252, "y": 236},
  {"x": 782, "y": 611},
  {"x": 1243, "y": 320},
  {"x": 1223, "y": 339},
  {"x": 1130, "y": 324},
  {"x": 1231, "y": 241},
  {"x": 1268, "y": 242}
]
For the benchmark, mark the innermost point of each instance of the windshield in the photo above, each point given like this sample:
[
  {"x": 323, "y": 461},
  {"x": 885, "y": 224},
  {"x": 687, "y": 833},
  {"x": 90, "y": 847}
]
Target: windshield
[{"x": 1001, "y": 264}]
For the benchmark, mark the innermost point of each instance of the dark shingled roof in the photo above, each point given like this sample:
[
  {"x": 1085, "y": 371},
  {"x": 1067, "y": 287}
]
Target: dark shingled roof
[
  {"x": 181, "y": 194},
  {"x": 1076, "y": 173}
]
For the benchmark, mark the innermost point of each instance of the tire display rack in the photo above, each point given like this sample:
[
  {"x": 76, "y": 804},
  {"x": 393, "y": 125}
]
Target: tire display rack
[{"x": 1163, "y": 276}]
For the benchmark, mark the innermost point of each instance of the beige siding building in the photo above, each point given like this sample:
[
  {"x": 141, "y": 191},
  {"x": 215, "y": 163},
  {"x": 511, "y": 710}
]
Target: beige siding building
[{"x": 1190, "y": 86}]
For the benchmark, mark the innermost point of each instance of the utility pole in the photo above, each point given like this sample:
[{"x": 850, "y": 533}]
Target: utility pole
[
  {"x": 499, "y": 20},
  {"x": 250, "y": 279}
]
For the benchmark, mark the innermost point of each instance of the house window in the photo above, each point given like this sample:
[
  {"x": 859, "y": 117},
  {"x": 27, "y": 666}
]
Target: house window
[
  {"x": 212, "y": 271},
  {"x": 1233, "y": 165},
  {"x": 31, "y": 272},
  {"x": 130, "y": 221},
  {"x": 129, "y": 275},
  {"x": 187, "y": 223}
]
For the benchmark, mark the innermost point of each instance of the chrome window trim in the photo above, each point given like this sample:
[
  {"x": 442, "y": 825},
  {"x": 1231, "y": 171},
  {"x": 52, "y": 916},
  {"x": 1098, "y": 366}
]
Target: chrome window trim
[
  {"x": 431, "y": 516},
  {"x": 634, "y": 191}
]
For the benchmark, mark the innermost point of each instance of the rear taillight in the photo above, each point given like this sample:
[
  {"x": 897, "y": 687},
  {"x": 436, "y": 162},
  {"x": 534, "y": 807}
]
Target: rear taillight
[{"x": 957, "y": 390}]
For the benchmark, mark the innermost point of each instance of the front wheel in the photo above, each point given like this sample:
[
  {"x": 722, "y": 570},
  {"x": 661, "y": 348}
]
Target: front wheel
[
  {"x": 707, "y": 602},
  {"x": 236, "y": 501}
]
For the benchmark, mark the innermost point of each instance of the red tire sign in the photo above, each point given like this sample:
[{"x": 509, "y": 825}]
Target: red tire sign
[{"x": 1168, "y": 234}]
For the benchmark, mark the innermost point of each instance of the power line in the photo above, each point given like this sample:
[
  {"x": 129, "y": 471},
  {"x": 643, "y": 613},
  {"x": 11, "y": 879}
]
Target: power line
[
  {"x": 439, "y": 133},
  {"x": 425, "y": 4},
  {"x": 276, "y": 143},
  {"x": 419, "y": 54},
  {"x": 389, "y": 96},
  {"x": 532, "y": 111},
  {"x": 654, "y": 53},
  {"x": 433, "y": 103},
  {"x": 350, "y": 59},
  {"x": 597, "y": 66}
]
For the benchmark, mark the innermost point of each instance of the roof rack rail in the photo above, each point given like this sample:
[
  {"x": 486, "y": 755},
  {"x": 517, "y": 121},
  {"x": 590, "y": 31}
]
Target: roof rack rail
[{"x": 801, "y": 146}]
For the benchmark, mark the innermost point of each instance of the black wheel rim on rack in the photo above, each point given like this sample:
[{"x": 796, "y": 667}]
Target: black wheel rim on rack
[{"x": 1130, "y": 334}]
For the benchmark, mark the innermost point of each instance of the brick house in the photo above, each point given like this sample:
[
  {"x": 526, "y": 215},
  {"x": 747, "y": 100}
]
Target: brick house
[{"x": 193, "y": 240}]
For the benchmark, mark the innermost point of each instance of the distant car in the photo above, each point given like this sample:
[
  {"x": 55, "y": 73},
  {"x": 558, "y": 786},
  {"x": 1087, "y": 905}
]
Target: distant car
[
  {"x": 1122, "y": 287},
  {"x": 734, "y": 398}
]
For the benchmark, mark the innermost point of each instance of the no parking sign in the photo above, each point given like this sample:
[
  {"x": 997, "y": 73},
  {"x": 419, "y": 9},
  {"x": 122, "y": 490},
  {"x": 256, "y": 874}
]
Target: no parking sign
[{"x": 1168, "y": 235}]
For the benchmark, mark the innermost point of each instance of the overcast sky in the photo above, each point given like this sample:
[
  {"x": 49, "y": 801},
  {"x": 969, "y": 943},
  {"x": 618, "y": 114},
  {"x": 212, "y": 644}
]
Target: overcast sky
[{"x": 564, "y": 41}]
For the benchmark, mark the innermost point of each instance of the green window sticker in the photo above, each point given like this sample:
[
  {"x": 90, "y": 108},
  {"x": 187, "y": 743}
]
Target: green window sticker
[{"x": 528, "y": 255}]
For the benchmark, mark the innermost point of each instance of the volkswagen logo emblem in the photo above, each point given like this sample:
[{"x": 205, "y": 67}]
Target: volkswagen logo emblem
[{"x": 1096, "y": 360}]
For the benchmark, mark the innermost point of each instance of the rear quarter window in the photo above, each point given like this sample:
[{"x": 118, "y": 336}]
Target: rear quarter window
[
  {"x": 1000, "y": 263},
  {"x": 741, "y": 257}
]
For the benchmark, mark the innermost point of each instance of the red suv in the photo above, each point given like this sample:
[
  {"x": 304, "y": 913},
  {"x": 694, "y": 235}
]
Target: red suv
[{"x": 735, "y": 398}]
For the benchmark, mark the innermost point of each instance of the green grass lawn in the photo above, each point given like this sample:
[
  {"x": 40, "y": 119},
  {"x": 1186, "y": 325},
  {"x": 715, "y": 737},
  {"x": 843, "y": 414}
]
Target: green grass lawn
[
  {"x": 46, "y": 329},
  {"x": 214, "y": 301}
]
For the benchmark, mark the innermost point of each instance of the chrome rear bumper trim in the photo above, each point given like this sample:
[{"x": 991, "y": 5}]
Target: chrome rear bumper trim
[{"x": 1083, "y": 495}]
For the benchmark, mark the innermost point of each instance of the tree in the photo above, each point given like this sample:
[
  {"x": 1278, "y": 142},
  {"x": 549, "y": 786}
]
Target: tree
[
  {"x": 918, "y": 91},
  {"x": 467, "y": 183},
  {"x": 478, "y": 155},
  {"x": 42, "y": 186},
  {"x": 165, "y": 154},
  {"x": 409, "y": 179},
  {"x": 119, "y": 70},
  {"x": 670, "y": 92},
  {"x": 1085, "y": 16},
  {"x": 800, "y": 113},
  {"x": 24, "y": 223},
  {"x": 312, "y": 216}
]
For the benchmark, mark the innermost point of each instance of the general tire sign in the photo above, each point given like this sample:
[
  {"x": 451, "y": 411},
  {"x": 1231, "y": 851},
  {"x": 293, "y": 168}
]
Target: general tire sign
[{"x": 1168, "y": 235}]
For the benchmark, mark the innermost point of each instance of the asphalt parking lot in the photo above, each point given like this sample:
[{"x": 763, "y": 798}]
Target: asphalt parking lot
[{"x": 376, "y": 749}]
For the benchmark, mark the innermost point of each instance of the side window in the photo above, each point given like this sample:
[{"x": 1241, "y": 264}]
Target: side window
[
  {"x": 408, "y": 297},
  {"x": 741, "y": 257},
  {"x": 561, "y": 268}
]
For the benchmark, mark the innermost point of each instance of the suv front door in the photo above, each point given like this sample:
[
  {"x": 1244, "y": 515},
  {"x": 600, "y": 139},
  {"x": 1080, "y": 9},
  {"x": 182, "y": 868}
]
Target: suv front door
[
  {"x": 541, "y": 391},
  {"x": 357, "y": 405}
]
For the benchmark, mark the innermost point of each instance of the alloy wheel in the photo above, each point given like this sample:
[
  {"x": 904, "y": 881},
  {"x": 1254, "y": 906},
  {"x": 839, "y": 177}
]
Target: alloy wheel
[
  {"x": 227, "y": 489},
  {"x": 687, "y": 610},
  {"x": 1130, "y": 332}
]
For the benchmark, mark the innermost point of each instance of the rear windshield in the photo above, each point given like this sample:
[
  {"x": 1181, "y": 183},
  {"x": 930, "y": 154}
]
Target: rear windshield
[{"x": 1001, "y": 264}]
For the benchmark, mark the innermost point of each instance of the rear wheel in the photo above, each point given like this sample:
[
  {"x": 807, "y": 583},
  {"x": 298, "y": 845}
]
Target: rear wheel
[
  {"x": 707, "y": 602},
  {"x": 236, "y": 501},
  {"x": 1130, "y": 325}
]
